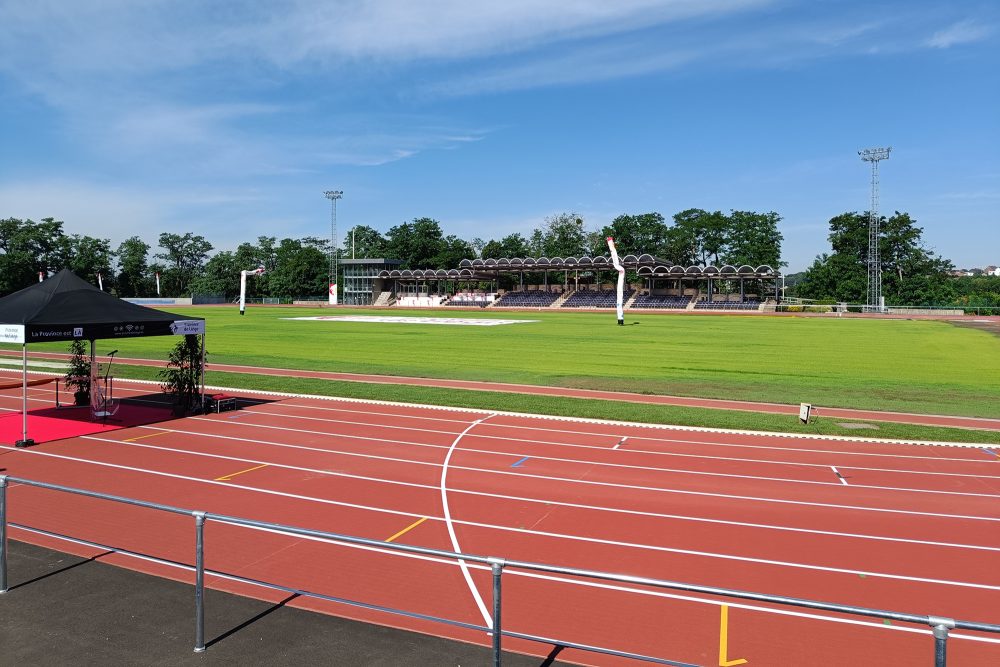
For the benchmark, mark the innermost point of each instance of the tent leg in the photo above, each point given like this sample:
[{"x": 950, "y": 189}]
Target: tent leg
[
  {"x": 25, "y": 441},
  {"x": 203, "y": 371}
]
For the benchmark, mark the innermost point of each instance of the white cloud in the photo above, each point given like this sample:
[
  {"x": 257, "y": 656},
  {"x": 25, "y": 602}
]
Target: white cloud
[{"x": 963, "y": 32}]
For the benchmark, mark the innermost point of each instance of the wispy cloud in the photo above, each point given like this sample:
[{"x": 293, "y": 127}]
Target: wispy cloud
[{"x": 963, "y": 32}]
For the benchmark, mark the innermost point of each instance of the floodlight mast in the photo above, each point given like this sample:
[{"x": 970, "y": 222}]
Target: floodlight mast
[
  {"x": 875, "y": 302},
  {"x": 333, "y": 196}
]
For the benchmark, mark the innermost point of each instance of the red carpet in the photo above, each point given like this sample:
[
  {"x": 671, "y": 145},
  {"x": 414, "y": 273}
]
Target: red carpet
[{"x": 51, "y": 424}]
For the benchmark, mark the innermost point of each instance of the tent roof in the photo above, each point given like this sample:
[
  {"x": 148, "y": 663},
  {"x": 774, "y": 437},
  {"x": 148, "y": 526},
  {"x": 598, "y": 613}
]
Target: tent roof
[{"x": 65, "y": 307}]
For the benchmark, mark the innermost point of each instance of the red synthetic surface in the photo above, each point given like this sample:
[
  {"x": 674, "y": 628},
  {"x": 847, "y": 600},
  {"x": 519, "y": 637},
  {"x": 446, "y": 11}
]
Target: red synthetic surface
[
  {"x": 952, "y": 421},
  {"x": 48, "y": 424},
  {"x": 915, "y": 529}
]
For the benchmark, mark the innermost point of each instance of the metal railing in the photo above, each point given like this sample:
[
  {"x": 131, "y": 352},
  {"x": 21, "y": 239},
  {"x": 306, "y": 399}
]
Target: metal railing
[{"x": 940, "y": 625}]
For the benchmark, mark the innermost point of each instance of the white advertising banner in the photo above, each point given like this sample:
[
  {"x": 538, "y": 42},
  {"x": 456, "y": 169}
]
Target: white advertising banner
[
  {"x": 11, "y": 333},
  {"x": 183, "y": 327},
  {"x": 333, "y": 294}
]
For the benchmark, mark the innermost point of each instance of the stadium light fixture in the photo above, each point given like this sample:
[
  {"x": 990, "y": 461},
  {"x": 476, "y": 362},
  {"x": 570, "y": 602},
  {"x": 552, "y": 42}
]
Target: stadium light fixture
[
  {"x": 333, "y": 196},
  {"x": 875, "y": 300}
]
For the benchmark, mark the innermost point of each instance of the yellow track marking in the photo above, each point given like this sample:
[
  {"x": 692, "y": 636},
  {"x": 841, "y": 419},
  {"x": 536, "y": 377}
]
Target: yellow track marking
[
  {"x": 146, "y": 436},
  {"x": 225, "y": 478},
  {"x": 724, "y": 660},
  {"x": 407, "y": 529}
]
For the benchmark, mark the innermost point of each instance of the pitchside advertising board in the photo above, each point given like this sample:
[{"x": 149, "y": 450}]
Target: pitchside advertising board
[
  {"x": 333, "y": 294},
  {"x": 38, "y": 334}
]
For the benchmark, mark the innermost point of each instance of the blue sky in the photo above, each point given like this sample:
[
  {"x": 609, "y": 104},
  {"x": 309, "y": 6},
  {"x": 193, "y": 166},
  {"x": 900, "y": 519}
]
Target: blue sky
[{"x": 230, "y": 118}]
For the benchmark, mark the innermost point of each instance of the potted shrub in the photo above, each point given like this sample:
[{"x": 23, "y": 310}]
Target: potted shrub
[
  {"x": 77, "y": 377},
  {"x": 180, "y": 377}
]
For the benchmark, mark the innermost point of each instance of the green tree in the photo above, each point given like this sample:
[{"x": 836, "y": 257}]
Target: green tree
[
  {"x": 563, "y": 235},
  {"x": 134, "y": 278},
  {"x": 27, "y": 247},
  {"x": 753, "y": 239},
  {"x": 634, "y": 234},
  {"x": 301, "y": 269},
  {"x": 415, "y": 244},
  {"x": 368, "y": 243},
  {"x": 452, "y": 251},
  {"x": 184, "y": 255},
  {"x": 86, "y": 257},
  {"x": 510, "y": 246},
  {"x": 221, "y": 275},
  {"x": 911, "y": 273},
  {"x": 697, "y": 237}
]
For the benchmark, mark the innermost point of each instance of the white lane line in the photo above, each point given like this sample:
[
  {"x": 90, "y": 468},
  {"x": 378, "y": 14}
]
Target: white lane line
[
  {"x": 590, "y": 482},
  {"x": 839, "y": 476},
  {"x": 543, "y": 501},
  {"x": 678, "y": 471},
  {"x": 451, "y": 528},
  {"x": 686, "y": 552},
  {"x": 637, "y": 451}
]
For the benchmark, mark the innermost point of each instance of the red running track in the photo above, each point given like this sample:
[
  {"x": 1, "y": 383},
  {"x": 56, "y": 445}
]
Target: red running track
[{"x": 909, "y": 528}]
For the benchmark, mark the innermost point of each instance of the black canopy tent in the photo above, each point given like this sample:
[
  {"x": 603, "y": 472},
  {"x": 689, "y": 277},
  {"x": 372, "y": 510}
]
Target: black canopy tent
[{"x": 66, "y": 307}]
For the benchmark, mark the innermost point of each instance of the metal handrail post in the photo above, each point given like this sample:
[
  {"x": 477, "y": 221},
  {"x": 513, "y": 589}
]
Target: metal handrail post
[
  {"x": 3, "y": 533},
  {"x": 199, "y": 582},
  {"x": 940, "y": 627},
  {"x": 496, "y": 565}
]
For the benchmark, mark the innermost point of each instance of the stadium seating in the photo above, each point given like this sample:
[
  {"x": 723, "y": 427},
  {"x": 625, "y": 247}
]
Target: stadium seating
[
  {"x": 727, "y": 305},
  {"x": 471, "y": 299},
  {"x": 645, "y": 300},
  {"x": 596, "y": 298},
  {"x": 529, "y": 299}
]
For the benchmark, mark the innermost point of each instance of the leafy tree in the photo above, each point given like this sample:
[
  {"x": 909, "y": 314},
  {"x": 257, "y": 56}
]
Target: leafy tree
[
  {"x": 220, "y": 275},
  {"x": 510, "y": 246},
  {"x": 416, "y": 244},
  {"x": 133, "y": 277},
  {"x": 86, "y": 257},
  {"x": 634, "y": 234},
  {"x": 564, "y": 236},
  {"x": 452, "y": 251},
  {"x": 368, "y": 243},
  {"x": 301, "y": 269},
  {"x": 185, "y": 256},
  {"x": 27, "y": 247},
  {"x": 753, "y": 239},
  {"x": 911, "y": 273},
  {"x": 697, "y": 237}
]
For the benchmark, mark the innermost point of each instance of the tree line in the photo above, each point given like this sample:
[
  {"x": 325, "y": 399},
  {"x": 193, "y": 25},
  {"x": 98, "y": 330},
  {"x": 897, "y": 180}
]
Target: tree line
[{"x": 300, "y": 267}]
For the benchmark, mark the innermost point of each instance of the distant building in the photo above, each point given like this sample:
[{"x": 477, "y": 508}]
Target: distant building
[{"x": 992, "y": 270}]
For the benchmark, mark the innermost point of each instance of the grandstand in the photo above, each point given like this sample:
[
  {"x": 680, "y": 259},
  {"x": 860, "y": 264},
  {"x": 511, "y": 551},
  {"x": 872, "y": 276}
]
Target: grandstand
[{"x": 583, "y": 282}]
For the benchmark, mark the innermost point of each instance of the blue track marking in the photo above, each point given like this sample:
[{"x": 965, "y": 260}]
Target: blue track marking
[
  {"x": 990, "y": 451},
  {"x": 514, "y": 465}
]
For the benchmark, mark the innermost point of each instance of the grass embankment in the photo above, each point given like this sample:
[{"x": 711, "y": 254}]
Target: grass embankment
[
  {"x": 571, "y": 407},
  {"x": 906, "y": 365}
]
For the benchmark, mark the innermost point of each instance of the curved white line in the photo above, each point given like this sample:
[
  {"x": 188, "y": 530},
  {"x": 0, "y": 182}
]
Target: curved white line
[{"x": 451, "y": 529}]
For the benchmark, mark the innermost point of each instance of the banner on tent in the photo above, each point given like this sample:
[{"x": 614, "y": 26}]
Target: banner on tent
[{"x": 12, "y": 333}]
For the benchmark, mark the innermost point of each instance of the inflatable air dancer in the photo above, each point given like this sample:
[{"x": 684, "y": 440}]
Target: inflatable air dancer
[
  {"x": 243, "y": 286},
  {"x": 619, "y": 303}
]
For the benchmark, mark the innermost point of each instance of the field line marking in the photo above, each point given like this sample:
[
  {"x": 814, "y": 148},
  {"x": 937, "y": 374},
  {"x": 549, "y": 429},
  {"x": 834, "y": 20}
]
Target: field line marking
[
  {"x": 678, "y": 471},
  {"x": 724, "y": 660},
  {"x": 150, "y": 435},
  {"x": 653, "y": 452},
  {"x": 225, "y": 478},
  {"x": 591, "y": 482},
  {"x": 597, "y": 508},
  {"x": 407, "y": 529},
  {"x": 537, "y": 533},
  {"x": 839, "y": 476},
  {"x": 518, "y": 463},
  {"x": 451, "y": 528}
]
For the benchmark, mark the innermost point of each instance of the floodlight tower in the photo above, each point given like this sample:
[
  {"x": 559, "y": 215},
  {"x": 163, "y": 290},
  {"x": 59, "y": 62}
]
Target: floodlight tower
[
  {"x": 875, "y": 303},
  {"x": 333, "y": 196}
]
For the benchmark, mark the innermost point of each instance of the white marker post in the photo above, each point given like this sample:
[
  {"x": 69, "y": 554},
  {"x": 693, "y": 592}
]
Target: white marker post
[
  {"x": 621, "y": 282},
  {"x": 157, "y": 283},
  {"x": 100, "y": 283},
  {"x": 41, "y": 276},
  {"x": 243, "y": 286}
]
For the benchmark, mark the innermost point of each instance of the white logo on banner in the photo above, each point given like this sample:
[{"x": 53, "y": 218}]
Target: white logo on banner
[{"x": 77, "y": 332}]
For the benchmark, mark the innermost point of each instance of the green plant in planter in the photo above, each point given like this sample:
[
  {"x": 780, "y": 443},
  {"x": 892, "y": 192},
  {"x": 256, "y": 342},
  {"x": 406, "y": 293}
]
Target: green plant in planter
[
  {"x": 182, "y": 374},
  {"x": 77, "y": 377}
]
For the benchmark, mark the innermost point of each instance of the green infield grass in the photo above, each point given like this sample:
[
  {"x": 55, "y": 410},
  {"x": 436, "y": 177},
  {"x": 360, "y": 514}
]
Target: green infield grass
[{"x": 921, "y": 366}]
